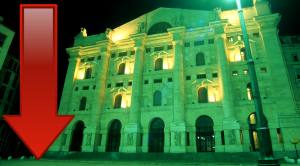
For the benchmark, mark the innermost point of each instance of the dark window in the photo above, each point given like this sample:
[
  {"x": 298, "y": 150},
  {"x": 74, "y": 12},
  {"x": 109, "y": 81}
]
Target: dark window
[
  {"x": 205, "y": 138},
  {"x": 158, "y": 64},
  {"x": 215, "y": 75},
  {"x": 200, "y": 59},
  {"x": 234, "y": 73},
  {"x": 256, "y": 35},
  {"x": 119, "y": 84},
  {"x": 188, "y": 77},
  {"x": 2, "y": 39},
  {"x": 295, "y": 40},
  {"x": 121, "y": 69},
  {"x": 157, "y": 80},
  {"x": 188, "y": 139},
  {"x": 263, "y": 70},
  {"x": 211, "y": 41},
  {"x": 187, "y": 44},
  {"x": 94, "y": 87},
  {"x": 202, "y": 95},
  {"x": 229, "y": 39},
  {"x": 82, "y": 60},
  {"x": 82, "y": 103},
  {"x": 2, "y": 91},
  {"x": 146, "y": 81},
  {"x": 7, "y": 77},
  {"x": 130, "y": 83},
  {"x": 156, "y": 136},
  {"x": 169, "y": 79},
  {"x": 132, "y": 52},
  {"x": 85, "y": 88},
  {"x": 160, "y": 27},
  {"x": 148, "y": 50},
  {"x": 201, "y": 76},
  {"x": 100, "y": 139},
  {"x": 5, "y": 108},
  {"x": 159, "y": 48},
  {"x": 113, "y": 55},
  {"x": 170, "y": 47},
  {"x": 76, "y": 89},
  {"x": 10, "y": 95},
  {"x": 295, "y": 57},
  {"x": 15, "y": 81},
  {"x": 91, "y": 58},
  {"x": 198, "y": 43},
  {"x": 99, "y": 57},
  {"x": 141, "y": 139},
  {"x": 108, "y": 85},
  {"x": 118, "y": 100},
  {"x": 222, "y": 137},
  {"x": 243, "y": 54},
  {"x": 157, "y": 98},
  {"x": 88, "y": 73},
  {"x": 122, "y": 54}
]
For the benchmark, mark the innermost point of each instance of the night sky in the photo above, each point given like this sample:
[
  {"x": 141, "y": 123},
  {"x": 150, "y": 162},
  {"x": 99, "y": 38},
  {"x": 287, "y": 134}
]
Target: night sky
[{"x": 96, "y": 17}]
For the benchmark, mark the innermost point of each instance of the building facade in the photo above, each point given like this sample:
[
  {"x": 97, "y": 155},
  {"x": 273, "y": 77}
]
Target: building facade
[{"x": 176, "y": 81}]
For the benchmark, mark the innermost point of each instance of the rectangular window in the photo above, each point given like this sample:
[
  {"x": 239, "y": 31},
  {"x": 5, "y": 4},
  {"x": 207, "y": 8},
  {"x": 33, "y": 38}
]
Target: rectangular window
[
  {"x": 230, "y": 39},
  {"x": 82, "y": 60},
  {"x": 15, "y": 81},
  {"x": 2, "y": 39},
  {"x": 7, "y": 77},
  {"x": 170, "y": 47},
  {"x": 187, "y": 44},
  {"x": 108, "y": 85},
  {"x": 279, "y": 135},
  {"x": 76, "y": 89},
  {"x": 246, "y": 71},
  {"x": 240, "y": 37},
  {"x": 215, "y": 75},
  {"x": 157, "y": 80},
  {"x": 91, "y": 58},
  {"x": 146, "y": 81},
  {"x": 188, "y": 139},
  {"x": 188, "y": 77},
  {"x": 130, "y": 83},
  {"x": 198, "y": 43},
  {"x": 201, "y": 76},
  {"x": 148, "y": 50},
  {"x": 2, "y": 91},
  {"x": 10, "y": 95},
  {"x": 122, "y": 54},
  {"x": 132, "y": 52},
  {"x": 169, "y": 79},
  {"x": 222, "y": 137},
  {"x": 94, "y": 87},
  {"x": 234, "y": 73},
  {"x": 295, "y": 58},
  {"x": 211, "y": 41},
  {"x": 99, "y": 57},
  {"x": 119, "y": 84},
  {"x": 241, "y": 135},
  {"x": 263, "y": 70},
  {"x": 85, "y": 88},
  {"x": 113, "y": 55},
  {"x": 159, "y": 48},
  {"x": 255, "y": 35}
]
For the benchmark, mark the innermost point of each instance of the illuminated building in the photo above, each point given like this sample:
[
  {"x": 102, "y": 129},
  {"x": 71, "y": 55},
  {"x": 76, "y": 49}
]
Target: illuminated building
[{"x": 176, "y": 81}]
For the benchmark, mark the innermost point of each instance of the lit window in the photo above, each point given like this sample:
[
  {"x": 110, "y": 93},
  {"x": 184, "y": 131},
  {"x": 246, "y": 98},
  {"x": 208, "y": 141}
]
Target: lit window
[
  {"x": 263, "y": 70},
  {"x": 243, "y": 54},
  {"x": 255, "y": 35},
  {"x": 240, "y": 37},
  {"x": 238, "y": 58},
  {"x": 229, "y": 39},
  {"x": 246, "y": 71},
  {"x": 234, "y": 73},
  {"x": 249, "y": 91}
]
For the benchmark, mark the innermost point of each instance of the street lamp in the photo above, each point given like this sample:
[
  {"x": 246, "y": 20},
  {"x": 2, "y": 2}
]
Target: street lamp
[{"x": 264, "y": 140}]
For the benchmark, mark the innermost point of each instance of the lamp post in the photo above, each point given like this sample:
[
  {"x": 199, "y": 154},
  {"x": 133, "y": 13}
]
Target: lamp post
[{"x": 264, "y": 140}]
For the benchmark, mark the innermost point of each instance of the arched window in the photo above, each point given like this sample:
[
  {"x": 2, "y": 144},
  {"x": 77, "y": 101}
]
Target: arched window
[
  {"x": 121, "y": 69},
  {"x": 114, "y": 137},
  {"x": 118, "y": 100},
  {"x": 82, "y": 103},
  {"x": 88, "y": 72},
  {"x": 202, "y": 95},
  {"x": 156, "y": 136},
  {"x": 77, "y": 135},
  {"x": 157, "y": 98},
  {"x": 158, "y": 64},
  {"x": 252, "y": 121},
  {"x": 205, "y": 138},
  {"x": 243, "y": 54},
  {"x": 249, "y": 91},
  {"x": 160, "y": 27},
  {"x": 200, "y": 59}
]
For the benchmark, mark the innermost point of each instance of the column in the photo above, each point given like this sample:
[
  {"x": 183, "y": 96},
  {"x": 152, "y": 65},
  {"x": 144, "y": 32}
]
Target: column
[
  {"x": 133, "y": 127},
  {"x": 178, "y": 128},
  {"x": 93, "y": 130}
]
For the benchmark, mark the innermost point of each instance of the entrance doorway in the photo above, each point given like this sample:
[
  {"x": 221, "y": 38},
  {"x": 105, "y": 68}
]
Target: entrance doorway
[
  {"x": 77, "y": 136},
  {"x": 205, "y": 138},
  {"x": 114, "y": 137},
  {"x": 156, "y": 136}
]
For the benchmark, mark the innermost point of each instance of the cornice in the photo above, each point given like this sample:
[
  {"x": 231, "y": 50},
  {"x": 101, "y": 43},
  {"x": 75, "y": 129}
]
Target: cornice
[
  {"x": 267, "y": 21},
  {"x": 122, "y": 44},
  {"x": 162, "y": 38}
]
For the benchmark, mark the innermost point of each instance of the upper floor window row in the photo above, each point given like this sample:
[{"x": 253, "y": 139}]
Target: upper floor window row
[{"x": 122, "y": 54}]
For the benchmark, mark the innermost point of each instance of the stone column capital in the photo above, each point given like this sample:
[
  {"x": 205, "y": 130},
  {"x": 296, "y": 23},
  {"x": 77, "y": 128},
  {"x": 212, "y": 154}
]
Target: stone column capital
[
  {"x": 138, "y": 39},
  {"x": 177, "y": 42},
  {"x": 177, "y": 33},
  {"x": 217, "y": 36},
  {"x": 267, "y": 21},
  {"x": 139, "y": 47},
  {"x": 74, "y": 52}
]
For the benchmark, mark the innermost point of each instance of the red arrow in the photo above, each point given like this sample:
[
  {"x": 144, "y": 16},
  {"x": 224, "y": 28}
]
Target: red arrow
[{"x": 38, "y": 124}]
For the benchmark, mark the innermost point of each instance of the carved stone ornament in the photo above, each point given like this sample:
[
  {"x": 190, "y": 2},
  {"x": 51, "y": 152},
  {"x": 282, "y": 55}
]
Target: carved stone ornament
[
  {"x": 82, "y": 33},
  {"x": 129, "y": 139},
  {"x": 89, "y": 139},
  {"x": 177, "y": 138},
  {"x": 217, "y": 11},
  {"x": 232, "y": 137},
  {"x": 176, "y": 21},
  {"x": 109, "y": 32},
  {"x": 141, "y": 27}
]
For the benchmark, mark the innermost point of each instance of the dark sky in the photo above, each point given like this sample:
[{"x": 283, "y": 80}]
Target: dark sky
[{"x": 96, "y": 17}]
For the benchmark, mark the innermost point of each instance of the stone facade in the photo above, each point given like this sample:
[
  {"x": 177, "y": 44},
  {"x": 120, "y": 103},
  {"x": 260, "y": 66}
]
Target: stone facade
[{"x": 204, "y": 74}]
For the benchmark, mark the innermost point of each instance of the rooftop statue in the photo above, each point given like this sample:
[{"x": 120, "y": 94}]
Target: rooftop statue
[
  {"x": 109, "y": 32},
  {"x": 82, "y": 33},
  {"x": 217, "y": 11},
  {"x": 176, "y": 21},
  {"x": 141, "y": 27}
]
